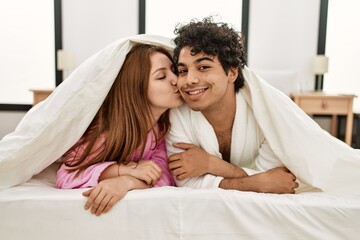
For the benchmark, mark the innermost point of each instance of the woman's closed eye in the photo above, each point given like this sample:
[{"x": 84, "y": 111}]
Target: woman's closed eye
[{"x": 161, "y": 77}]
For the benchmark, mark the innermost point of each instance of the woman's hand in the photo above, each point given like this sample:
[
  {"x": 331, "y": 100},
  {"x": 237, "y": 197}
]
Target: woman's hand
[
  {"x": 103, "y": 196},
  {"x": 144, "y": 170}
]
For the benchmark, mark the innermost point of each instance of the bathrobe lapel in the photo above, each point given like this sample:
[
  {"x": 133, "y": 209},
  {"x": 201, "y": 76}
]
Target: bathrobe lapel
[
  {"x": 206, "y": 136},
  {"x": 239, "y": 131}
]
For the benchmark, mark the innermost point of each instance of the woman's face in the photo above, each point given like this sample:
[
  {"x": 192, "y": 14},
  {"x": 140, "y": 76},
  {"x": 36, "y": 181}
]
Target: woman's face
[{"x": 162, "y": 92}]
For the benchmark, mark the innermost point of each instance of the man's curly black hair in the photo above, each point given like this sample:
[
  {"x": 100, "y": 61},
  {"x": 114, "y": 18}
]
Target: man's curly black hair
[{"x": 215, "y": 39}]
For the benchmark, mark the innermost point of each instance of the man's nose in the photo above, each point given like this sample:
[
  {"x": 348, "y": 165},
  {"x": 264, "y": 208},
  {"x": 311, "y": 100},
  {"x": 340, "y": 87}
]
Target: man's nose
[{"x": 192, "y": 78}]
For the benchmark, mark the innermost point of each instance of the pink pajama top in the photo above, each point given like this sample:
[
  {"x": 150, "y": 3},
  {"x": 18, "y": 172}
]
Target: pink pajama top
[{"x": 90, "y": 176}]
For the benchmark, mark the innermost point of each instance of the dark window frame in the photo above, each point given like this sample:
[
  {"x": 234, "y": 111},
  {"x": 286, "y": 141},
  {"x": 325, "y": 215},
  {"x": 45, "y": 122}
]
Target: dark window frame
[
  {"x": 321, "y": 47},
  {"x": 322, "y": 26}
]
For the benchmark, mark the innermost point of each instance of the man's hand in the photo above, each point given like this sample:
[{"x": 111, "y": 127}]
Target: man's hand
[
  {"x": 276, "y": 180},
  {"x": 193, "y": 162}
]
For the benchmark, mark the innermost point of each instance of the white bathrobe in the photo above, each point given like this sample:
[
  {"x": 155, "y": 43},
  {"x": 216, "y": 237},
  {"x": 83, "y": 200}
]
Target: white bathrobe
[
  {"x": 270, "y": 130},
  {"x": 249, "y": 148}
]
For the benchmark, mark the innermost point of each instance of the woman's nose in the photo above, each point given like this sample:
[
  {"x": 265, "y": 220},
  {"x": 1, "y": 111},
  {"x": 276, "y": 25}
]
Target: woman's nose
[{"x": 173, "y": 80}]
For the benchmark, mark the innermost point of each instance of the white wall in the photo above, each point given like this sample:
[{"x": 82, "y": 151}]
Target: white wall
[{"x": 8, "y": 121}]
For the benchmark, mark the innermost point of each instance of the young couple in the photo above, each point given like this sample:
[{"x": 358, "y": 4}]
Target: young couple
[{"x": 124, "y": 147}]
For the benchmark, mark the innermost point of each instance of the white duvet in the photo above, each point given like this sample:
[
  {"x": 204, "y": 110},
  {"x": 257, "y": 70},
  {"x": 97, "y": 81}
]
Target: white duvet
[{"x": 312, "y": 154}]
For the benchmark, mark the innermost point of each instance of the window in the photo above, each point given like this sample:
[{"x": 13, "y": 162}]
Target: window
[
  {"x": 161, "y": 16},
  {"x": 343, "y": 50},
  {"x": 27, "y": 49}
]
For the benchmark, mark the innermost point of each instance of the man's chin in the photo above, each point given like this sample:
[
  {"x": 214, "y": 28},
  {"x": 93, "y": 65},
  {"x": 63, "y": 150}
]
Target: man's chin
[{"x": 195, "y": 107}]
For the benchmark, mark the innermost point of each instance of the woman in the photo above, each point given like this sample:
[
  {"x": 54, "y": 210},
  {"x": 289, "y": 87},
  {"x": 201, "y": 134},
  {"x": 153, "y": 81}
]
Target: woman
[{"x": 124, "y": 146}]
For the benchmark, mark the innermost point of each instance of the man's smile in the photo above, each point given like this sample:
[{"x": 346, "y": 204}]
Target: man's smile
[{"x": 194, "y": 92}]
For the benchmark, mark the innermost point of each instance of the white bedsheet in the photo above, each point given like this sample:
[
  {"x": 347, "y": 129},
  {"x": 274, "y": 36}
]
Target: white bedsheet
[{"x": 37, "y": 210}]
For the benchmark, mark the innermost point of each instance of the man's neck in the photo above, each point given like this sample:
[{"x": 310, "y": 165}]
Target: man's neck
[{"x": 222, "y": 117}]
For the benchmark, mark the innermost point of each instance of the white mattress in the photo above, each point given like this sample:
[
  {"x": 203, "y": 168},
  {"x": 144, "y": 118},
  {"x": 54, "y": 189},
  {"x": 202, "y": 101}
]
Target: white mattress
[{"x": 37, "y": 210}]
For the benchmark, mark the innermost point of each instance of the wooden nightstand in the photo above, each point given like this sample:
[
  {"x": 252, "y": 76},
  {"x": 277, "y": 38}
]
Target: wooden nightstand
[
  {"x": 320, "y": 103},
  {"x": 40, "y": 95}
]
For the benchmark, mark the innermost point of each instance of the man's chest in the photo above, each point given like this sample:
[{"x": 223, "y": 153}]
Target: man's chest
[{"x": 224, "y": 140}]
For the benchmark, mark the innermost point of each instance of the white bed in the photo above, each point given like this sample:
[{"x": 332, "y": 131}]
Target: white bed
[{"x": 37, "y": 210}]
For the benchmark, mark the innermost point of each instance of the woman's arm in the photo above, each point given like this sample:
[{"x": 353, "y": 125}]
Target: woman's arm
[
  {"x": 154, "y": 171},
  {"x": 109, "y": 191},
  {"x": 144, "y": 170},
  {"x": 159, "y": 157},
  {"x": 68, "y": 178}
]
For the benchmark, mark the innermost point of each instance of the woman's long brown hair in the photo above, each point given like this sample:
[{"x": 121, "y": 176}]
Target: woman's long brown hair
[{"x": 124, "y": 117}]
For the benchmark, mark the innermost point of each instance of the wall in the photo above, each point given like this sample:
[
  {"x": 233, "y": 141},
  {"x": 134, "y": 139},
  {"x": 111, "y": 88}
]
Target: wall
[{"x": 8, "y": 121}]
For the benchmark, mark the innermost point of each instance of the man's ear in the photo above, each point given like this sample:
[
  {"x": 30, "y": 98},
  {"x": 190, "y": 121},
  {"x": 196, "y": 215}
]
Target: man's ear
[{"x": 233, "y": 74}]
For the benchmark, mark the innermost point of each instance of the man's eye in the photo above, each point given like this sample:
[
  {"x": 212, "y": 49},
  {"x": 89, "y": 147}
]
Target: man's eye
[
  {"x": 203, "y": 67},
  {"x": 182, "y": 71}
]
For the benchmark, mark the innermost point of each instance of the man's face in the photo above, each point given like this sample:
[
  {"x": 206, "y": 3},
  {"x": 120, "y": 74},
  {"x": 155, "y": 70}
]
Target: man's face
[{"x": 202, "y": 81}]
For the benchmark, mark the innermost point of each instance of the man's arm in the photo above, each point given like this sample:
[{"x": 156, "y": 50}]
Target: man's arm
[
  {"x": 182, "y": 130},
  {"x": 276, "y": 180},
  {"x": 195, "y": 162}
]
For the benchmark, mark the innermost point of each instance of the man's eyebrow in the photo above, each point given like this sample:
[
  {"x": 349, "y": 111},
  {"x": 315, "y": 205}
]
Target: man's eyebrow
[
  {"x": 180, "y": 64},
  {"x": 204, "y": 59}
]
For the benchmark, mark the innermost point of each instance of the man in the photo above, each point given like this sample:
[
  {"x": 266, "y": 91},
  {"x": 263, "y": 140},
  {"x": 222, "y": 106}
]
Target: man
[{"x": 215, "y": 140}]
